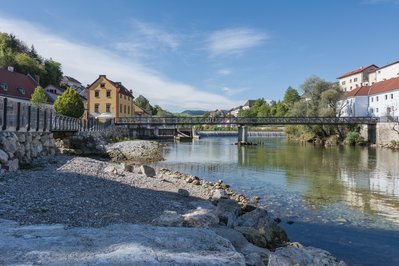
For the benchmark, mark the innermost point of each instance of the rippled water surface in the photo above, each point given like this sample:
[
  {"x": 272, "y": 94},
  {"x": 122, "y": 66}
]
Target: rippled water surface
[{"x": 343, "y": 199}]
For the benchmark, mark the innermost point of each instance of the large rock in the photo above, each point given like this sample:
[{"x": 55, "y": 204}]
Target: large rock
[
  {"x": 135, "y": 150},
  {"x": 148, "y": 171},
  {"x": 253, "y": 255},
  {"x": 227, "y": 211},
  {"x": 3, "y": 156},
  {"x": 260, "y": 229},
  {"x": 200, "y": 218},
  {"x": 123, "y": 244},
  {"x": 302, "y": 256},
  {"x": 169, "y": 218}
]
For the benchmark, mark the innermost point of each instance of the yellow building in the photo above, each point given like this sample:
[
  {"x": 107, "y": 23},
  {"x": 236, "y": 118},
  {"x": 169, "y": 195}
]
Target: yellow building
[{"x": 107, "y": 98}]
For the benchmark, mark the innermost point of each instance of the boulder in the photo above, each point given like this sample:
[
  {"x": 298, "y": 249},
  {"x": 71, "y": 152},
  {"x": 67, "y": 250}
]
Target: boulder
[
  {"x": 200, "y": 218},
  {"x": 219, "y": 194},
  {"x": 253, "y": 255},
  {"x": 183, "y": 192},
  {"x": 135, "y": 150},
  {"x": 260, "y": 229},
  {"x": 227, "y": 210},
  {"x": 291, "y": 255},
  {"x": 169, "y": 218},
  {"x": 148, "y": 171},
  {"x": 3, "y": 156}
]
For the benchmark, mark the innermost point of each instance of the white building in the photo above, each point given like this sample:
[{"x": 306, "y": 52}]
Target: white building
[
  {"x": 356, "y": 103},
  {"x": 384, "y": 98},
  {"x": 384, "y": 73},
  {"x": 356, "y": 78}
]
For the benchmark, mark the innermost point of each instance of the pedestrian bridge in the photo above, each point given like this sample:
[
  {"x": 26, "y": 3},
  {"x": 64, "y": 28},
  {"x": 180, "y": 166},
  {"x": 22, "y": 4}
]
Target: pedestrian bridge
[{"x": 244, "y": 121}]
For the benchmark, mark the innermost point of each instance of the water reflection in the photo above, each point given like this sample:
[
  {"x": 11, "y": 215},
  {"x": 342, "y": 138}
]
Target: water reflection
[{"x": 362, "y": 179}]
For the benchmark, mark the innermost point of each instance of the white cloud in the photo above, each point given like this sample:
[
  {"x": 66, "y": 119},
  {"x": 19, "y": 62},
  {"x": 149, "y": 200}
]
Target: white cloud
[
  {"x": 232, "y": 91},
  {"x": 234, "y": 41},
  {"x": 224, "y": 72},
  {"x": 85, "y": 62},
  {"x": 153, "y": 33},
  {"x": 376, "y": 2}
]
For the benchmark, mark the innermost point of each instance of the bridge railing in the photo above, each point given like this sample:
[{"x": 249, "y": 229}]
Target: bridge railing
[
  {"x": 142, "y": 121},
  {"x": 24, "y": 117}
]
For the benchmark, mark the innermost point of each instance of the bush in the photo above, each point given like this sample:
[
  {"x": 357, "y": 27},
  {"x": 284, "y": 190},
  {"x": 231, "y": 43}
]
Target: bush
[
  {"x": 69, "y": 104},
  {"x": 39, "y": 97},
  {"x": 354, "y": 138}
]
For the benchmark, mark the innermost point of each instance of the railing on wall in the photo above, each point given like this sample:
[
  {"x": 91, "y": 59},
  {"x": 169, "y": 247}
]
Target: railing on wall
[{"x": 23, "y": 116}]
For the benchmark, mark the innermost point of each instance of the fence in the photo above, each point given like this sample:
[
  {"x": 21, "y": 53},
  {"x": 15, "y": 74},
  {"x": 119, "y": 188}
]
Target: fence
[{"x": 24, "y": 117}]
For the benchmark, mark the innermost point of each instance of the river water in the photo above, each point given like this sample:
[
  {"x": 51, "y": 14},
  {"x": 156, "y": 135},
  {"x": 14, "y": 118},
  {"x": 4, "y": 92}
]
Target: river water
[{"x": 342, "y": 199}]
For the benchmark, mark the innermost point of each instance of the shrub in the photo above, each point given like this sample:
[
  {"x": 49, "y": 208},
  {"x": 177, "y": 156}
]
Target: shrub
[
  {"x": 354, "y": 138},
  {"x": 69, "y": 104},
  {"x": 39, "y": 97}
]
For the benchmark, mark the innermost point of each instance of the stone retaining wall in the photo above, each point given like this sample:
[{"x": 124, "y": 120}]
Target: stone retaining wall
[
  {"x": 386, "y": 133},
  {"x": 17, "y": 147},
  {"x": 22, "y": 147}
]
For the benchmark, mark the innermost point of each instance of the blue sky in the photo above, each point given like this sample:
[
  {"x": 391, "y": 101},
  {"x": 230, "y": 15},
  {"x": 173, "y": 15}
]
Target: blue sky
[{"x": 207, "y": 54}]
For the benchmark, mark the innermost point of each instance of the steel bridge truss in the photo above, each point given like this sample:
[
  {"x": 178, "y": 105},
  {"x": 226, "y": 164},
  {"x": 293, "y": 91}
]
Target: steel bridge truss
[{"x": 253, "y": 121}]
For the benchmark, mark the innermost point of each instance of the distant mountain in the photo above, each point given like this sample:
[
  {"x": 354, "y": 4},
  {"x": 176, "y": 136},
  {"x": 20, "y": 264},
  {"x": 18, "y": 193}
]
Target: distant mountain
[{"x": 194, "y": 112}]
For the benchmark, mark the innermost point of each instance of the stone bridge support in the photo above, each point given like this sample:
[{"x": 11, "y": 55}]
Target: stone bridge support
[
  {"x": 369, "y": 133},
  {"x": 242, "y": 134}
]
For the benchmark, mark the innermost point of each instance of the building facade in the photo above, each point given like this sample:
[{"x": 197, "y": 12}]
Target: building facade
[
  {"x": 356, "y": 78},
  {"x": 108, "y": 98}
]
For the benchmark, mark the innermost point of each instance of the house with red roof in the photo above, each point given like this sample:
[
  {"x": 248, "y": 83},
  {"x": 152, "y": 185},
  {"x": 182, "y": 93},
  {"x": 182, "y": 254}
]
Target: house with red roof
[
  {"x": 356, "y": 103},
  {"x": 384, "y": 98},
  {"x": 356, "y": 78},
  {"x": 16, "y": 85}
]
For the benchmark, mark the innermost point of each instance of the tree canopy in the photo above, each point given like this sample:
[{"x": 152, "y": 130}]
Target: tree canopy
[
  {"x": 14, "y": 52},
  {"x": 69, "y": 104},
  {"x": 143, "y": 103},
  {"x": 39, "y": 97}
]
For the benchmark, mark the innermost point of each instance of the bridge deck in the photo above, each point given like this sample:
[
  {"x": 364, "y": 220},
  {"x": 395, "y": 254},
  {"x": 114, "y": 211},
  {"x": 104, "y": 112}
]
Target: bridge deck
[{"x": 253, "y": 121}]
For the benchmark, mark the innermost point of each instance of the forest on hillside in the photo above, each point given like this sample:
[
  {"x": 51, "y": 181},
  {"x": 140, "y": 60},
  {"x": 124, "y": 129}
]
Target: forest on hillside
[{"x": 15, "y": 53}]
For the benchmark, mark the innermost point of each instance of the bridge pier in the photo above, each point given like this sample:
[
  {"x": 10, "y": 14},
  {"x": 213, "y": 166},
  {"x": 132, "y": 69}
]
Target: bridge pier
[{"x": 242, "y": 134}]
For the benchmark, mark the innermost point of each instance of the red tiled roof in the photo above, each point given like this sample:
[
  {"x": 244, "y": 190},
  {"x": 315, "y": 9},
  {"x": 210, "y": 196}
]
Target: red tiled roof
[
  {"x": 384, "y": 86},
  {"x": 356, "y": 71},
  {"x": 15, "y": 82},
  {"x": 361, "y": 91}
]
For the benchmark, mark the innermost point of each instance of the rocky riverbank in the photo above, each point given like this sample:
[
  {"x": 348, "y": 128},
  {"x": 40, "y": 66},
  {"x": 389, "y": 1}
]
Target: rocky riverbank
[{"x": 76, "y": 210}]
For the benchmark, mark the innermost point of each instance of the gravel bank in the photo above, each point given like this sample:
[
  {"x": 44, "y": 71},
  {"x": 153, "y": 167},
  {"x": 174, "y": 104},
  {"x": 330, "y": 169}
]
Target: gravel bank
[{"x": 78, "y": 191}]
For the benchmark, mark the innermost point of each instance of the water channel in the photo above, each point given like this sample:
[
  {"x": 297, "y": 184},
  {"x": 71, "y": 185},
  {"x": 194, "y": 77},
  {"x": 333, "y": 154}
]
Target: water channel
[{"x": 342, "y": 199}]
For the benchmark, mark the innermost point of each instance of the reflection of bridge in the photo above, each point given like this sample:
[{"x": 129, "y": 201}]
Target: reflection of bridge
[{"x": 243, "y": 122}]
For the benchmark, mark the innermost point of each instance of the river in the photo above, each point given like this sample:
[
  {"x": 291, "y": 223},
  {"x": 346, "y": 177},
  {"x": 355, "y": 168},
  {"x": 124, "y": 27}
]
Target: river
[{"x": 342, "y": 199}]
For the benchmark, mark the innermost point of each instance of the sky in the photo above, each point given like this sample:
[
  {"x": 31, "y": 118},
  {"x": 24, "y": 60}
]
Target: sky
[{"x": 207, "y": 54}]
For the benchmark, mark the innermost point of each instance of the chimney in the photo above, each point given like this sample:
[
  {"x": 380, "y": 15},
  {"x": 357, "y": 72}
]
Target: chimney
[{"x": 10, "y": 68}]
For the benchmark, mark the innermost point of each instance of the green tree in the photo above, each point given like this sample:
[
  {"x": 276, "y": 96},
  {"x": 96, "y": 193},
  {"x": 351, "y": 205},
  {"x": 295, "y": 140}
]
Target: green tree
[
  {"x": 143, "y": 103},
  {"x": 52, "y": 74},
  {"x": 39, "y": 97},
  {"x": 291, "y": 96},
  {"x": 69, "y": 104}
]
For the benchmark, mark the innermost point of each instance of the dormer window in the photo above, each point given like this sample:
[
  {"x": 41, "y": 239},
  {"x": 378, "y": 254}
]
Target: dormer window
[
  {"x": 4, "y": 86},
  {"x": 102, "y": 85},
  {"x": 21, "y": 90}
]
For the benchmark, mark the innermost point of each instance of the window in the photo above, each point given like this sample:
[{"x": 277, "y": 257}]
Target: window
[
  {"x": 350, "y": 81},
  {"x": 355, "y": 79},
  {"x": 4, "y": 86},
  {"x": 376, "y": 99},
  {"x": 128, "y": 109},
  {"x": 343, "y": 82},
  {"x": 124, "y": 109},
  {"x": 120, "y": 95},
  {"x": 108, "y": 93},
  {"x": 379, "y": 71},
  {"x": 108, "y": 108},
  {"x": 96, "y": 107},
  {"x": 96, "y": 94},
  {"x": 376, "y": 110},
  {"x": 386, "y": 96},
  {"x": 372, "y": 99},
  {"x": 124, "y": 97},
  {"x": 120, "y": 108},
  {"x": 391, "y": 95},
  {"x": 21, "y": 90},
  {"x": 102, "y": 85}
]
